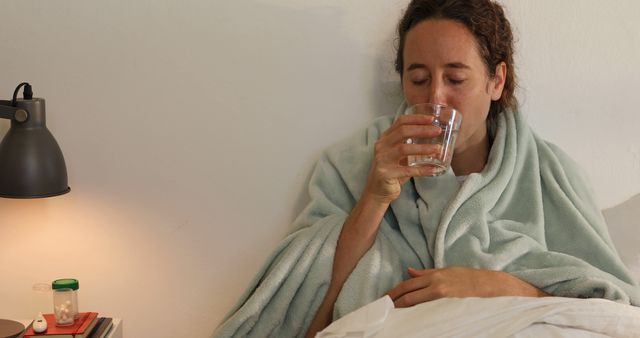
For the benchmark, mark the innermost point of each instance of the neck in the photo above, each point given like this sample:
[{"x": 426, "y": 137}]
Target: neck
[{"x": 472, "y": 157}]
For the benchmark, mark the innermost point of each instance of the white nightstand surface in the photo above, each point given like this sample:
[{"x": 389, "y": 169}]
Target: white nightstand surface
[{"x": 116, "y": 329}]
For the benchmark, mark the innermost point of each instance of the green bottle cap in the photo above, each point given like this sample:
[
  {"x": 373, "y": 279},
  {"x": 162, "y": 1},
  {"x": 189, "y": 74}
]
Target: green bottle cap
[{"x": 65, "y": 283}]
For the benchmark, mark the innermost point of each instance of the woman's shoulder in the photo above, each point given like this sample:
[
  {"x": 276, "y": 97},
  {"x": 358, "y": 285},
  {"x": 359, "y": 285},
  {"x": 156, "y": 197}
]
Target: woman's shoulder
[
  {"x": 547, "y": 151},
  {"x": 554, "y": 153},
  {"x": 557, "y": 165}
]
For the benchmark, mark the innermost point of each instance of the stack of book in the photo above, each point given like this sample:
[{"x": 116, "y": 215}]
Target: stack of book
[{"x": 88, "y": 325}]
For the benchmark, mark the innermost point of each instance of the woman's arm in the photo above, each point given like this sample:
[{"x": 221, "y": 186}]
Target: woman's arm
[
  {"x": 431, "y": 284},
  {"x": 357, "y": 236},
  {"x": 388, "y": 172}
]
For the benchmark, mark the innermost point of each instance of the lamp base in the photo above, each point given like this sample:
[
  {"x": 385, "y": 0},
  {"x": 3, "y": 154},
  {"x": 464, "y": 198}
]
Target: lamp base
[{"x": 10, "y": 328}]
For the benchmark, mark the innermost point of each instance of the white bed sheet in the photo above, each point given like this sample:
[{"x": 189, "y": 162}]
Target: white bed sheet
[{"x": 518, "y": 317}]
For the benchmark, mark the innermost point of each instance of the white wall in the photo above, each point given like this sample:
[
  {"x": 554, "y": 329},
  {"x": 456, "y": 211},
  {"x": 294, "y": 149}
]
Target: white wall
[{"x": 190, "y": 128}]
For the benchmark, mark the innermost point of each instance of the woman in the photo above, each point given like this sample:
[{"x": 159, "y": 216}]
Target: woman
[{"x": 522, "y": 223}]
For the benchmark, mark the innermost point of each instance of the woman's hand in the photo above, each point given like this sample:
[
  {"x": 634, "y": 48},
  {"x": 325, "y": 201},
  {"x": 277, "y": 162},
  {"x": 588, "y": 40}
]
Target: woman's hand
[
  {"x": 389, "y": 170},
  {"x": 431, "y": 284}
]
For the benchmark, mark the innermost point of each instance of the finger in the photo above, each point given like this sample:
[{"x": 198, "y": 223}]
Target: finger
[
  {"x": 413, "y": 272},
  {"x": 405, "y": 132},
  {"x": 416, "y": 120},
  {"x": 391, "y": 158},
  {"x": 417, "y": 273},
  {"x": 408, "y": 286},
  {"x": 403, "y": 173},
  {"x": 415, "y": 297},
  {"x": 418, "y": 171},
  {"x": 399, "y": 152}
]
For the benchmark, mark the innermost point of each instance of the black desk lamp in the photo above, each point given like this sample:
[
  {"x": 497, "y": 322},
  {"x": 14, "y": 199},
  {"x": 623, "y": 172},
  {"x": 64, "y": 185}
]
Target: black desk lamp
[{"x": 31, "y": 162}]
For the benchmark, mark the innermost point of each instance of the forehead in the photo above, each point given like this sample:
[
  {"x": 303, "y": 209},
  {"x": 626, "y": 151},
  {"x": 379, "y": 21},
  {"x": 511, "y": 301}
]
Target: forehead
[{"x": 441, "y": 41}]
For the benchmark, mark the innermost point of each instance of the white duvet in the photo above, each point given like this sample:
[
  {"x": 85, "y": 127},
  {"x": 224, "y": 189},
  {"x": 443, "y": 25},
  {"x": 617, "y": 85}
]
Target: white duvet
[{"x": 490, "y": 317}]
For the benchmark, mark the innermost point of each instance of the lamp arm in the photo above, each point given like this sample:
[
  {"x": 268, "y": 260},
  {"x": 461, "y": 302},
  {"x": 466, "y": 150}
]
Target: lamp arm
[{"x": 12, "y": 113}]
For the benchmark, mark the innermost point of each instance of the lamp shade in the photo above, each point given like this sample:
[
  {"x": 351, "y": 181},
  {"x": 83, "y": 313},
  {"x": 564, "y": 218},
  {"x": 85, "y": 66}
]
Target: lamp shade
[{"x": 31, "y": 162}]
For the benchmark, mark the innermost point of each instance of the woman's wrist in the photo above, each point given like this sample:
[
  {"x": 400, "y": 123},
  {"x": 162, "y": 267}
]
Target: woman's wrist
[
  {"x": 518, "y": 287},
  {"x": 375, "y": 201}
]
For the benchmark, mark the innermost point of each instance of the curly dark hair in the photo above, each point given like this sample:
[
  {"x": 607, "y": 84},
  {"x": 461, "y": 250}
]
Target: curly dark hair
[{"x": 487, "y": 22}]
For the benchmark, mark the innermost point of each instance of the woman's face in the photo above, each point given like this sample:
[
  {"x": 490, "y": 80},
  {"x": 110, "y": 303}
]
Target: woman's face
[{"x": 442, "y": 65}]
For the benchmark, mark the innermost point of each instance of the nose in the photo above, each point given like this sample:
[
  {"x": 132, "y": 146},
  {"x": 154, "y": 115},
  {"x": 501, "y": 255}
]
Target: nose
[{"x": 436, "y": 93}]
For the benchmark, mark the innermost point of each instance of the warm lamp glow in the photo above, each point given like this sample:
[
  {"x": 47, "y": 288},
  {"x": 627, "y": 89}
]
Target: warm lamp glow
[{"x": 31, "y": 162}]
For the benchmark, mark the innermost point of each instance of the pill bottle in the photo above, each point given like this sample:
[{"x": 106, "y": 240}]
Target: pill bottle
[{"x": 65, "y": 301}]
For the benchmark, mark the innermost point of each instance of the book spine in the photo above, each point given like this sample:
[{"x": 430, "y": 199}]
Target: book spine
[{"x": 90, "y": 318}]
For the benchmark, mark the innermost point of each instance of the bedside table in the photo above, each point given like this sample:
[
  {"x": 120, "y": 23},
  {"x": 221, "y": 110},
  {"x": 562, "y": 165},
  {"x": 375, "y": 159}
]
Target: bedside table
[{"x": 116, "y": 329}]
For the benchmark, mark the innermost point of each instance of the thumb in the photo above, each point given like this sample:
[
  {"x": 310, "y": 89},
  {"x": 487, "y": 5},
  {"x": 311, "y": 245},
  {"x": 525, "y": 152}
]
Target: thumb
[{"x": 415, "y": 273}]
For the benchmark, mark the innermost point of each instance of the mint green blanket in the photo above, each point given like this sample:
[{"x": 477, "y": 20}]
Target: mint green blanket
[{"x": 529, "y": 213}]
